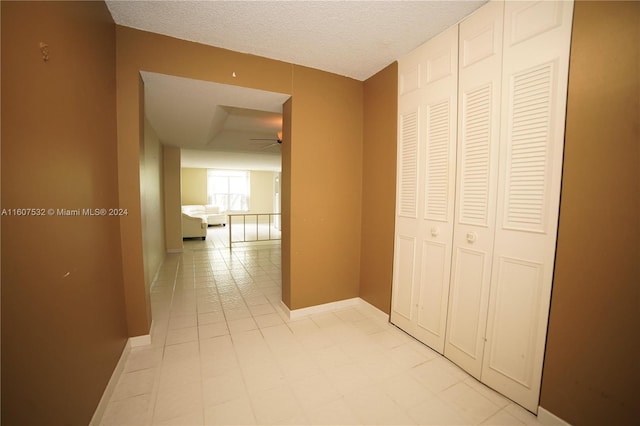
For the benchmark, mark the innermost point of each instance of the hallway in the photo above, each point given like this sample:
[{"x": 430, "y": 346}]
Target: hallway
[{"x": 223, "y": 352}]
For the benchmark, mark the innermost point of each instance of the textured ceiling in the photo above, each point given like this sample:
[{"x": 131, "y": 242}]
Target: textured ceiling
[{"x": 351, "y": 38}]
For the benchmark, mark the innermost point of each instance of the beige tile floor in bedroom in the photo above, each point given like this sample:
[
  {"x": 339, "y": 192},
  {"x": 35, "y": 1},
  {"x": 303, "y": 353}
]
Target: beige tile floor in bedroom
[{"x": 224, "y": 353}]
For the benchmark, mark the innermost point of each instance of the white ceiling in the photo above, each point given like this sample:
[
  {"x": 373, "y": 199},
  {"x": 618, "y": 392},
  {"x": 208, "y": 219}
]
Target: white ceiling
[
  {"x": 351, "y": 38},
  {"x": 215, "y": 124}
]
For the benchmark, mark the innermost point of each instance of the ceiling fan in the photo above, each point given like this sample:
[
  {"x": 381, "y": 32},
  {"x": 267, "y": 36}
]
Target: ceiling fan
[{"x": 276, "y": 141}]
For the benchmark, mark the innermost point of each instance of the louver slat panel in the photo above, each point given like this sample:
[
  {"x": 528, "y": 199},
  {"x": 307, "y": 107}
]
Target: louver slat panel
[
  {"x": 408, "y": 204},
  {"x": 527, "y": 162},
  {"x": 437, "y": 177},
  {"x": 475, "y": 164}
]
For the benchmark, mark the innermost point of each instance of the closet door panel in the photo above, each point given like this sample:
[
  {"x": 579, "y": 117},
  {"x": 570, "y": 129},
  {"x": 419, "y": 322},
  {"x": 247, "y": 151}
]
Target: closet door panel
[
  {"x": 407, "y": 248},
  {"x": 517, "y": 302},
  {"x": 465, "y": 314},
  {"x": 535, "y": 70},
  {"x": 476, "y": 193},
  {"x": 432, "y": 312},
  {"x": 404, "y": 280},
  {"x": 438, "y": 218},
  {"x": 439, "y": 106},
  {"x": 425, "y": 187}
]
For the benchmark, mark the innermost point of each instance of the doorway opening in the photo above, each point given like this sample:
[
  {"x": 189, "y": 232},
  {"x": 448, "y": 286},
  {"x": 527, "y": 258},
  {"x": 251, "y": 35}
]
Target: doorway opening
[{"x": 207, "y": 126}]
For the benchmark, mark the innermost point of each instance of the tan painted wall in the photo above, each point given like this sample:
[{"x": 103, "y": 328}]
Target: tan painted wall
[
  {"x": 138, "y": 50},
  {"x": 379, "y": 187},
  {"x": 63, "y": 314},
  {"x": 285, "y": 189},
  {"x": 324, "y": 266},
  {"x": 591, "y": 368},
  {"x": 194, "y": 186},
  {"x": 326, "y": 181},
  {"x": 128, "y": 118},
  {"x": 152, "y": 202},
  {"x": 172, "y": 202}
]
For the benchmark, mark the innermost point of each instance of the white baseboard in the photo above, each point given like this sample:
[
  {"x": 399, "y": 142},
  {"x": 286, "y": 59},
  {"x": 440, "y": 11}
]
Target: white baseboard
[
  {"x": 143, "y": 340},
  {"x": 285, "y": 309},
  {"x": 111, "y": 386},
  {"x": 133, "y": 342},
  {"x": 374, "y": 311},
  {"x": 333, "y": 306},
  {"x": 318, "y": 309},
  {"x": 549, "y": 419}
]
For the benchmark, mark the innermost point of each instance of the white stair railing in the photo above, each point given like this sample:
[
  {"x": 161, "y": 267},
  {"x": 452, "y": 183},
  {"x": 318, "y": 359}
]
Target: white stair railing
[{"x": 240, "y": 221}]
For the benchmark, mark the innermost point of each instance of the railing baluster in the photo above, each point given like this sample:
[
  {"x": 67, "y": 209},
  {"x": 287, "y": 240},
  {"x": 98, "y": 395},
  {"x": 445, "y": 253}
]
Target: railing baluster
[{"x": 244, "y": 227}]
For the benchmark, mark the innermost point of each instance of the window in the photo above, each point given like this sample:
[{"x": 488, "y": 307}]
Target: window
[{"x": 228, "y": 189}]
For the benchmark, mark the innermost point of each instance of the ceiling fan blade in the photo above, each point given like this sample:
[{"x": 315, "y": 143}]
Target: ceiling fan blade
[
  {"x": 268, "y": 146},
  {"x": 277, "y": 139}
]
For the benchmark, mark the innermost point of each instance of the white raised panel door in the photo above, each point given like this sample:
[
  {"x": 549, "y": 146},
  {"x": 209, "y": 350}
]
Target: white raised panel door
[
  {"x": 480, "y": 64},
  {"x": 407, "y": 223},
  {"x": 535, "y": 69},
  {"x": 425, "y": 188},
  {"x": 407, "y": 233},
  {"x": 438, "y": 109}
]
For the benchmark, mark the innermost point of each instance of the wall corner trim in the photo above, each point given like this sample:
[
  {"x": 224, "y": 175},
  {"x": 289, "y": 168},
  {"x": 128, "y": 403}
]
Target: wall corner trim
[{"x": 549, "y": 419}]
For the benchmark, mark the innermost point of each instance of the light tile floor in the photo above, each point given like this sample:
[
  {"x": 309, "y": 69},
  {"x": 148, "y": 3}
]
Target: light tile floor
[{"x": 223, "y": 352}]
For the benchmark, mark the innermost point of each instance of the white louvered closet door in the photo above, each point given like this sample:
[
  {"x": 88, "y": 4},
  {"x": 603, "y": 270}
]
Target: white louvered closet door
[
  {"x": 407, "y": 232},
  {"x": 535, "y": 69},
  {"x": 424, "y": 224},
  {"x": 479, "y": 100}
]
